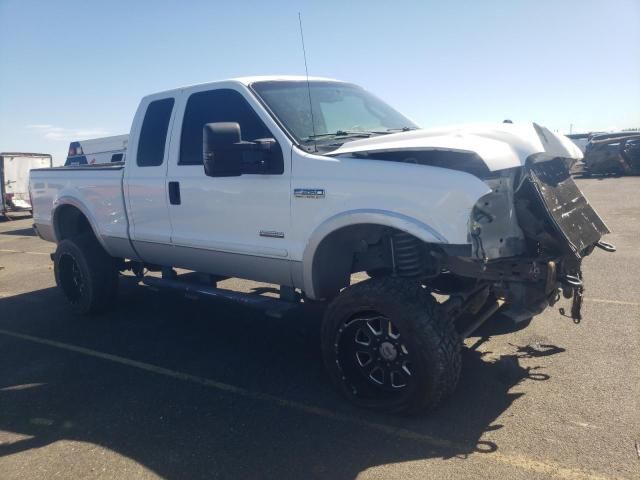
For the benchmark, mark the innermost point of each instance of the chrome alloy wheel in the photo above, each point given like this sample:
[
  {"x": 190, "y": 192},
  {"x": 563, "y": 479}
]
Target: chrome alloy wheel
[
  {"x": 71, "y": 277},
  {"x": 370, "y": 346}
]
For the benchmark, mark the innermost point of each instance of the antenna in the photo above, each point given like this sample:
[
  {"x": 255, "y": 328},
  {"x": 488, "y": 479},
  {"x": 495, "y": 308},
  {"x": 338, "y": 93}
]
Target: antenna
[{"x": 306, "y": 69}]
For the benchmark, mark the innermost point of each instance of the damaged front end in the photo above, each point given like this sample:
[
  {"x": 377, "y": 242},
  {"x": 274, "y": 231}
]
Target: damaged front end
[{"x": 529, "y": 236}]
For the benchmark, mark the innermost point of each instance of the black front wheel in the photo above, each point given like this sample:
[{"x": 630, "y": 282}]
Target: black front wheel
[
  {"x": 86, "y": 274},
  {"x": 387, "y": 346}
]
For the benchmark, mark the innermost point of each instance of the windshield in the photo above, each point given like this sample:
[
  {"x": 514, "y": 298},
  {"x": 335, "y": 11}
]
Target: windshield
[{"x": 340, "y": 110}]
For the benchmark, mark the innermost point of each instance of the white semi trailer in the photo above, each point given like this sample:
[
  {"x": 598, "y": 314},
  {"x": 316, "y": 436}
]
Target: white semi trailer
[{"x": 14, "y": 179}]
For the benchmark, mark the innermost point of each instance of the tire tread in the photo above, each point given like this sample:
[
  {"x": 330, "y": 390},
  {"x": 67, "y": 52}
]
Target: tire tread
[
  {"x": 431, "y": 329},
  {"x": 101, "y": 269}
]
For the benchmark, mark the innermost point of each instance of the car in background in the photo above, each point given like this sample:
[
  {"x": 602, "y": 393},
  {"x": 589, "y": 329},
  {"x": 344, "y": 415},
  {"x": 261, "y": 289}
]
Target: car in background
[
  {"x": 97, "y": 150},
  {"x": 613, "y": 153},
  {"x": 580, "y": 139}
]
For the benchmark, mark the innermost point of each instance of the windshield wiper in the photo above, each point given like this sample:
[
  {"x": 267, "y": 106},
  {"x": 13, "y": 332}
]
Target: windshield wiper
[
  {"x": 341, "y": 133},
  {"x": 401, "y": 129},
  {"x": 357, "y": 133},
  {"x": 393, "y": 130}
]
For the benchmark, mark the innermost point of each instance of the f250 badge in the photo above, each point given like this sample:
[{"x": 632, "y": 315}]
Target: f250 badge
[
  {"x": 271, "y": 234},
  {"x": 308, "y": 192}
]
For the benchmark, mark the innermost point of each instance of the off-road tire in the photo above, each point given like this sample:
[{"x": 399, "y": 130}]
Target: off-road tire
[
  {"x": 380, "y": 272},
  {"x": 96, "y": 270},
  {"x": 429, "y": 335}
]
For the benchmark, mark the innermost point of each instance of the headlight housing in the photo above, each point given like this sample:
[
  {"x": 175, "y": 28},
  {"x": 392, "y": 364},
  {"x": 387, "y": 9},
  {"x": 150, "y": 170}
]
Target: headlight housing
[{"x": 493, "y": 226}]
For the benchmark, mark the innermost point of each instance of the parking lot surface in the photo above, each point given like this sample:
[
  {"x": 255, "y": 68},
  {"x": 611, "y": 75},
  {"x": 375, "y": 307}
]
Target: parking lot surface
[{"x": 167, "y": 387}]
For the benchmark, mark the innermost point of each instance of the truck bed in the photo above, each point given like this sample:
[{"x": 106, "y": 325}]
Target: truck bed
[{"x": 97, "y": 191}]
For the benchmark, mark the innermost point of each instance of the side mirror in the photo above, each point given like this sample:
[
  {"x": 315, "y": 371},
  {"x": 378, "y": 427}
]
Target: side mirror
[
  {"x": 221, "y": 154},
  {"x": 225, "y": 154}
]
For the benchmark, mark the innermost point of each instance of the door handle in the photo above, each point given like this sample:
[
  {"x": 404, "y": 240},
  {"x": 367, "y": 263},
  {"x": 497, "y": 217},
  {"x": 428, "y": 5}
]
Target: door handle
[{"x": 174, "y": 193}]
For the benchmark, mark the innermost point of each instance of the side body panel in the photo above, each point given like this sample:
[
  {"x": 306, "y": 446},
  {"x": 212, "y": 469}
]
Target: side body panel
[
  {"x": 145, "y": 190},
  {"x": 434, "y": 204},
  {"x": 431, "y": 200},
  {"x": 96, "y": 192},
  {"x": 231, "y": 225}
]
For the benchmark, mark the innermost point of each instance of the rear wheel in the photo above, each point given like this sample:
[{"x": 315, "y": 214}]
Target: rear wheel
[
  {"x": 387, "y": 346},
  {"x": 86, "y": 274}
]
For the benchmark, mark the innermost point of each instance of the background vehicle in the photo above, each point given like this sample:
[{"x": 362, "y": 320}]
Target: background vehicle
[
  {"x": 302, "y": 183},
  {"x": 580, "y": 139},
  {"x": 14, "y": 178},
  {"x": 97, "y": 150},
  {"x": 616, "y": 153}
]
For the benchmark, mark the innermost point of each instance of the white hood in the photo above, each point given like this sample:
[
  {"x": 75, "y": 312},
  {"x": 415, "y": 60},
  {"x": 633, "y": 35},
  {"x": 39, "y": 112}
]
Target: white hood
[{"x": 500, "y": 146}]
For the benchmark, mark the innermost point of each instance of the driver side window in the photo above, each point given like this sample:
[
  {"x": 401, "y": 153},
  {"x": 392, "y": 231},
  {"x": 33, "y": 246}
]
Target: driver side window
[{"x": 221, "y": 105}]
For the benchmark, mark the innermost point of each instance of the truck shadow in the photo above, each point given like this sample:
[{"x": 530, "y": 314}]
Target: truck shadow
[
  {"x": 181, "y": 429},
  {"x": 23, "y": 232},
  {"x": 13, "y": 216}
]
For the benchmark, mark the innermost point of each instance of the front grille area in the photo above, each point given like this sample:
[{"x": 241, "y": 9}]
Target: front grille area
[{"x": 573, "y": 220}]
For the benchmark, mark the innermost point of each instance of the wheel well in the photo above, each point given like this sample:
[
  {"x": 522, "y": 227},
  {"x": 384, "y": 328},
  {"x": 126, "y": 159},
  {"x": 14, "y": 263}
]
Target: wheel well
[
  {"x": 350, "y": 249},
  {"x": 69, "y": 222}
]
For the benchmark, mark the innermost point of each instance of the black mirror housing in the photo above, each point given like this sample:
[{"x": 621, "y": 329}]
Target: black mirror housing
[
  {"x": 220, "y": 153},
  {"x": 225, "y": 154}
]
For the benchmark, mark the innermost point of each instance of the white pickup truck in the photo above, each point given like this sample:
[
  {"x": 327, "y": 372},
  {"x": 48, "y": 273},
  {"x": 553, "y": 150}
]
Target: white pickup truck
[{"x": 303, "y": 182}]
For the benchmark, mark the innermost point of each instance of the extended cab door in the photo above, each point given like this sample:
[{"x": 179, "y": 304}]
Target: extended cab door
[
  {"x": 145, "y": 178},
  {"x": 236, "y": 226}
]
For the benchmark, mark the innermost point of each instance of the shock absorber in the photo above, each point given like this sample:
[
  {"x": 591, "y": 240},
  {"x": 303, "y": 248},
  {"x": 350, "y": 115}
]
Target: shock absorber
[{"x": 407, "y": 255}]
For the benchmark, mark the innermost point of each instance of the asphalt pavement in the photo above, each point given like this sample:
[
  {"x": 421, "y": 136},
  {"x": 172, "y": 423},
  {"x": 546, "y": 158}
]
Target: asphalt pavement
[{"x": 169, "y": 387}]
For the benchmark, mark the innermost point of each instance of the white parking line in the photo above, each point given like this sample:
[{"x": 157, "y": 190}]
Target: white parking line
[
  {"x": 616, "y": 302},
  {"x": 4, "y": 250},
  {"x": 549, "y": 469}
]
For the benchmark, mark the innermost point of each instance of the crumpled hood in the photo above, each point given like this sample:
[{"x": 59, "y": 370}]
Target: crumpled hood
[{"x": 500, "y": 146}]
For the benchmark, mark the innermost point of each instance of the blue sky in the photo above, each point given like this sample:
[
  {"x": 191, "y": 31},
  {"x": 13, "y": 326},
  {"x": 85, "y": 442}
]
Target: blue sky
[{"x": 76, "y": 69}]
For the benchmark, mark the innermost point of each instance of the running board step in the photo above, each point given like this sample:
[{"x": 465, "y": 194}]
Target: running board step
[{"x": 271, "y": 306}]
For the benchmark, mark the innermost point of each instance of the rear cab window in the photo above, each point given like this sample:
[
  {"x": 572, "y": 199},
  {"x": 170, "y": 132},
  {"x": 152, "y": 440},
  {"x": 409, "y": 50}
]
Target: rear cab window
[{"x": 153, "y": 134}]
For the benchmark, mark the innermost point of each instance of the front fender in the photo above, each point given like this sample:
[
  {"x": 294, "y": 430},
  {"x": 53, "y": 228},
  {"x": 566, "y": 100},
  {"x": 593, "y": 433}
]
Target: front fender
[{"x": 358, "y": 217}]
